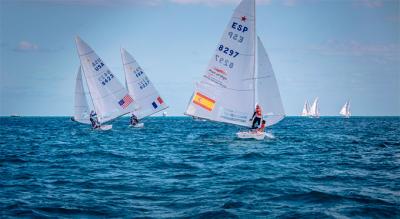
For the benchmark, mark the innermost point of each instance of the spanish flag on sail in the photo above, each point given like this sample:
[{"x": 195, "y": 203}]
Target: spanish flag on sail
[{"x": 203, "y": 101}]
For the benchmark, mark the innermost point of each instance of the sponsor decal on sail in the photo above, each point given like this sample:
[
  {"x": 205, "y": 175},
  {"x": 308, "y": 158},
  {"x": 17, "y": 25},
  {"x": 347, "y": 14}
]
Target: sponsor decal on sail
[
  {"x": 204, "y": 101},
  {"x": 217, "y": 75}
]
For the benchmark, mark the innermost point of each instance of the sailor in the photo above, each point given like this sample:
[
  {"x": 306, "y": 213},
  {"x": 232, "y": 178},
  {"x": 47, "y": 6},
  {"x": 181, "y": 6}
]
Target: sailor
[
  {"x": 94, "y": 120},
  {"x": 262, "y": 127},
  {"x": 257, "y": 117},
  {"x": 134, "y": 120}
]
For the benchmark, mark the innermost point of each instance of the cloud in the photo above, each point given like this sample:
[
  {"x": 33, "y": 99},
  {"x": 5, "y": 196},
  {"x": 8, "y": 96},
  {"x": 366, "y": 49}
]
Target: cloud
[
  {"x": 25, "y": 46},
  {"x": 92, "y": 2},
  {"x": 215, "y": 2},
  {"x": 141, "y": 2},
  {"x": 369, "y": 3},
  {"x": 379, "y": 52},
  {"x": 290, "y": 3}
]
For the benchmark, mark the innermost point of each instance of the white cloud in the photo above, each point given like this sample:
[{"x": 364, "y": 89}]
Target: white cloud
[
  {"x": 382, "y": 52},
  {"x": 25, "y": 46},
  {"x": 215, "y": 2},
  {"x": 369, "y": 3}
]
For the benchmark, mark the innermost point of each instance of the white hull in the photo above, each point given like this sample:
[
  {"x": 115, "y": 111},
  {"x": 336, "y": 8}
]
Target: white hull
[
  {"x": 104, "y": 127},
  {"x": 139, "y": 125}
]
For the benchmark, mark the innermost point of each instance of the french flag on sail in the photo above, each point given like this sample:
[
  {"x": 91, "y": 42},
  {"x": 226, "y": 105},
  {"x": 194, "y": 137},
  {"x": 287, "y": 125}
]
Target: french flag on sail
[
  {"x": 157, "y": 102},
  {"x": 124, "y": 102}
]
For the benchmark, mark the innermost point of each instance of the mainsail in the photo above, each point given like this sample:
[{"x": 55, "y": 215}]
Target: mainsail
[
  {"x": 267, "y": 95},
  {"x": 306, "y": 109},
  {"x": 147, "y": 99},
  {"x": 110, "y": 98},
  {"x": 314, "y": 110},
  {"x": 226, "y": 92},
  {"x": 345, "y": 111},
  {"x": 81, "y": 107}
]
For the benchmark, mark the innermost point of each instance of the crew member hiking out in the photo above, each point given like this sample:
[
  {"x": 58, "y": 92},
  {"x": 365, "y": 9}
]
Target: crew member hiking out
[{"x": 257, "y": 117}]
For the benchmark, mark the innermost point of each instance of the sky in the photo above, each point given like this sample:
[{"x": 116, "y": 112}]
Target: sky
[{"x": 334, "y": 49}]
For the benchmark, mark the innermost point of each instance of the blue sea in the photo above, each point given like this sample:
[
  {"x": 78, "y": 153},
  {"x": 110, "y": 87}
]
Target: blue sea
[{"x": 179, "y": 168}]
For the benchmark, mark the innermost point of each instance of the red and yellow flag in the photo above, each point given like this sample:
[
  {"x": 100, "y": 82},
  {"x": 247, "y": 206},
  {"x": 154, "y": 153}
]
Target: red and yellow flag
[{"x": 203, "y": 101}]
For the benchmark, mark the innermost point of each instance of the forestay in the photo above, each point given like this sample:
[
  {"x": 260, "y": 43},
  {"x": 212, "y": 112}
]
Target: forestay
[
  {"x": 81, "y": 107},
  {"x": 268, "y": 96},
  {"x": 147, "y": 100},
  {"x": 226, "y": 90},
  {"x": 110, "y": 98}
]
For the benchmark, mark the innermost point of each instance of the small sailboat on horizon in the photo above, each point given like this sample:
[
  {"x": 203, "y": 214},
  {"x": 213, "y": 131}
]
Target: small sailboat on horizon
[
  {"x": 314, "y": 109},
  {"x": 306, "y": 109},
  {"x": 345, "y": 111}
]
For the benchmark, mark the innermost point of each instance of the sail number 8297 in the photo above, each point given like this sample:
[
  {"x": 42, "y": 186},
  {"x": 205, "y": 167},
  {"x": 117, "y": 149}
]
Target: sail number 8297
[{"x": 228, "y": 51}]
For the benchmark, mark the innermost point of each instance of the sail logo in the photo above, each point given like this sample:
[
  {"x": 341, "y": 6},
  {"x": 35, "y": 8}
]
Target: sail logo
[
  {"x": 239, "y": 27},
  {"x": 221, "y": 71},
  {"x": 159, "y": 101},
  {"x": 204, "y": 101},
  {"x": 126, "y": 101}
]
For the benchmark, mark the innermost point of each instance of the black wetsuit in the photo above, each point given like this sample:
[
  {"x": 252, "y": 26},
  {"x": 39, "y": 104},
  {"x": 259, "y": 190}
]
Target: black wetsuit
[{"x": 256, "y": 121}]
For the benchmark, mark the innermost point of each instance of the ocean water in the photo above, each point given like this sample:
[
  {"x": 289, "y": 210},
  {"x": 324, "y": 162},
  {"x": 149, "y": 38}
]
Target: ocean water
[{"x": 176, "y": 167}]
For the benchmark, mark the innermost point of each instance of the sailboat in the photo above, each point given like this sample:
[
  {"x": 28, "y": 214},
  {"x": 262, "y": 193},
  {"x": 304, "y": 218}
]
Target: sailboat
[
  {"x": 239, "y": 76},
  {"x": 81, "y": 107},
  {"x": 345, "y": 111},
  {"x": 314, "y": 110},
  {"x": 306, "y": 109},
  {"x": 147, "y": 99},
  {"x": 109, "y": 97}
]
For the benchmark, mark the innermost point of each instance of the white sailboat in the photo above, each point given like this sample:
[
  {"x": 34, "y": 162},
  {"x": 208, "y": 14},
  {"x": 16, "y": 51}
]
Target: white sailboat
[
  {"x": 109, "y": 97},
  {"x": 231, "y": 85},
  {"x": 306, "y": 109},
  {"x": 81, "y": 107},
  {"x": 314, "y": 110},
  {"x": 345, "y": 111},
  {"x": 147, "y": 99}
]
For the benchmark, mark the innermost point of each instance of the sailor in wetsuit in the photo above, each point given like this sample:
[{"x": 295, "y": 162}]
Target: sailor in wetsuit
[
  {"x": 93, "y": 120},
  {"x": 257, "y": 117},
  {"x": 134, "y": 120}
]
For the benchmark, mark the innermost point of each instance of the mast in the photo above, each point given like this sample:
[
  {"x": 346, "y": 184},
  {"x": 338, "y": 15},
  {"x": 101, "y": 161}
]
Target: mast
[{"x": 254, "y": 59}]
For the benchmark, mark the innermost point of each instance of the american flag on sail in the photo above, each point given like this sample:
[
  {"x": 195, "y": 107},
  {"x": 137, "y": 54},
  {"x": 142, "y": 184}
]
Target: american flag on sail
[{"x": 124, "y": 102}]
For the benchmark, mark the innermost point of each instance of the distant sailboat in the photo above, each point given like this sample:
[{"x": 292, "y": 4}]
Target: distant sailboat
[
  {"x": 314, "y": 110},
  {"x": 109, "y": 97},
  {"x": 231, "y": 86},
  {"x": 147, "y": 99},
  {"x": 306, "y": 109},
  {"x": 81, "y": 107},
  {"x": 345, "y": 111}
]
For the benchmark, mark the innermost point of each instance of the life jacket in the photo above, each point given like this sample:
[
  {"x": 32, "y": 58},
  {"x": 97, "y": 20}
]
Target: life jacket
[{"x": 258, "y": 113}]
